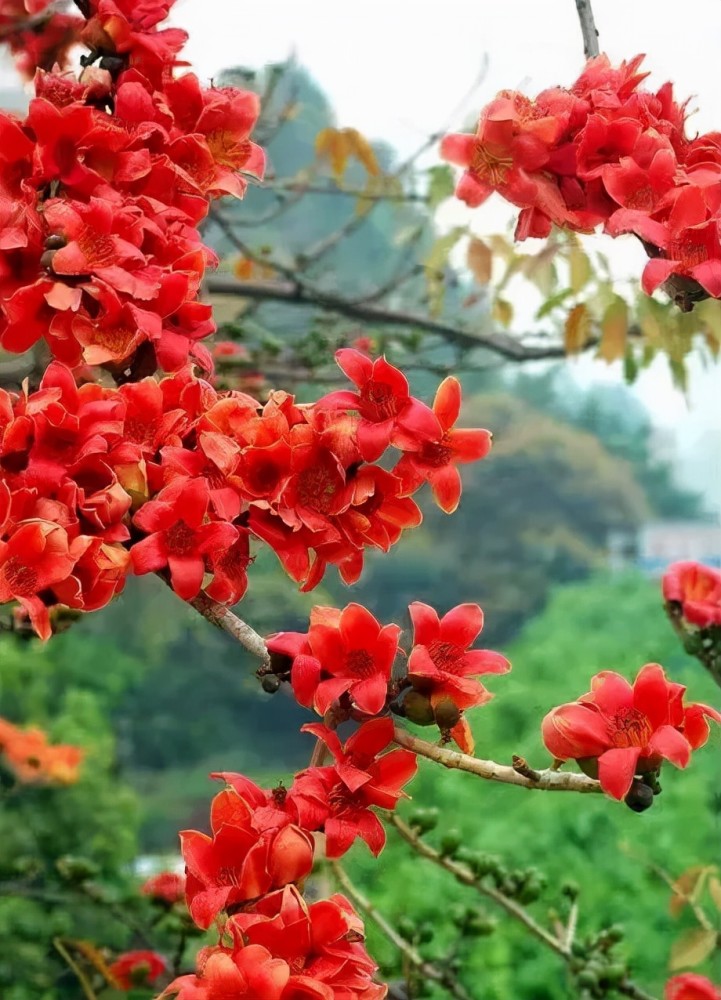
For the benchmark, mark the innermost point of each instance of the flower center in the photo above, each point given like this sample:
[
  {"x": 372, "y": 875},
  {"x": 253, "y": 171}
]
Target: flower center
[
  {"x": 97, "y": 248},
  {"x": 447, "y": 656},
  {"x": 630, "y": 728},
  {"x": 228, "y": 876},
  {"x": 436, "y": 454},
  {"x": 642, "y": 198},
  {"x": 687, "y": 252},
  {"x": 180, "y": 539},
  {"x": 22, "y": 579},
  {"x": 316, "y": 489},
  {"x": 381, "y": 397},
  {"x": 226, "y": 149},
  {"x": 360, "y": 663},
  {"x": 490, "y": 166}
]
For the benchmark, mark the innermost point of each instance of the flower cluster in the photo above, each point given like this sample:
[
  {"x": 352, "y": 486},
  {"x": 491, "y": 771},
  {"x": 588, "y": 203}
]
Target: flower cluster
[
  {"x": 174, "y": 476},
  {"x": 604, "y": 151},
  {"x": 695, "y": 590},
  {"x": 102, "y": 188},
  {"x": 33, "y": 760},
  {"x": 247, "y": 875},
  {"x": 618, "y": 731},
  {"x": 345, "y": 664},
  {"x": 689, "y": 986},
  {"x": 38, "y": 34}
]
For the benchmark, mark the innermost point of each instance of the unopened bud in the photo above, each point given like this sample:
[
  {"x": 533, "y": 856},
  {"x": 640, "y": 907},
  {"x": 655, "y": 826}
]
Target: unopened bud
[
  {"x": 447, "y": 714},
  {"x": 418, "y": 709},
  {"x": 640, "y": 796},
  {"x": 270, "y": 683}
]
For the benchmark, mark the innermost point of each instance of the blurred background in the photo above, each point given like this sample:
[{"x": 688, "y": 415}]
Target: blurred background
[{"x": 604, "y": 470}]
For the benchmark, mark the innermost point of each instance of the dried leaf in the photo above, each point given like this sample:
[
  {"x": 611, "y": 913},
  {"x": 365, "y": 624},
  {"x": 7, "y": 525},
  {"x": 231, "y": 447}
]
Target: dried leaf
[
  {"x": 243, "y": 269},
  {"x": 480, "y": 260},
  {"x": 577, "y": 329},
  {"x": 692, "y": 948},
  {"x": 580, "y": 268},
  {"x": 333, "y": 144},
  {"x": 688, "y": 886},
  {"x": 503, "y": 312},
  {"x": 363, "y": 151},
  {"x": 614, "y": 328}
]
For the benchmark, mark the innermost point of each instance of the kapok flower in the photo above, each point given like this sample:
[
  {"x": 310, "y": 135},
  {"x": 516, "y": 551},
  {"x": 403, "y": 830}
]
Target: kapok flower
[
  {"x": 165, "y": 887},
  {"x": 383, "y": 401},
  {"x": 179, "y": 535},
  {"x": 697, "y": 589},
  {"x": 628, "y": 730},
  {"x": 441, "y": 664},
  {"x": 689, "y": 986},
  {"x": 338, "y": 799},
  {"x": 137, "y": 968},
  {"x": 348, "y": 651},
  {"x": 239, "y": 862},
  {"x": 435, "y": 461},
  {"x": 250, "y": 973}
]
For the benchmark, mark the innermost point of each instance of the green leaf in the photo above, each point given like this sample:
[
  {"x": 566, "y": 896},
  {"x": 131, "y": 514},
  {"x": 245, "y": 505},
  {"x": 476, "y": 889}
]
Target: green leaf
[
  {"x": 441, "y": 184},
  {"x": 553, "y": 303}
]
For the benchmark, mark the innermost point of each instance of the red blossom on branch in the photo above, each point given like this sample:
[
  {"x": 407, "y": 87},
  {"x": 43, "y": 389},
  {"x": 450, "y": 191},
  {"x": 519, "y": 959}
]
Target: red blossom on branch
[
  {"x": 137, "y": 968},
  {"x": 697, "y": 589},
  {"x": 690, "y": 986},
  {"x": 625, "y": 730}
]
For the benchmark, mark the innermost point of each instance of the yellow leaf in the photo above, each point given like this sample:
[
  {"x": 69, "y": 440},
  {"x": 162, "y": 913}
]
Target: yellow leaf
[
  {"x": 503, "y": 312},
  {"x": 614, "y": 328},
  {"x": 580, "y": 268},
  {"x": 714, "y": 888},
  {"x": 243, "y": 268},
  {"x": 692, "y": 948},
  {"x": 333, "y": 145},
  {"x": 480, "y": 261},
  {"x": 363, "y": 151},
  {"x": 577, "y": 329}
]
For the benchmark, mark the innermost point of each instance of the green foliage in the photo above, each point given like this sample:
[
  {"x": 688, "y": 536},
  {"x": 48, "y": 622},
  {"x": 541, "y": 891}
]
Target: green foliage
[{"x": 606, "y": 623}]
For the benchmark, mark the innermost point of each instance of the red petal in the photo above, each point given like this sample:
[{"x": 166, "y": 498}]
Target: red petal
[
  {"x": 304, "y": 679},
  {"x": 458, "y": 149},
  {"x": 671, "y": 744},
  {"x": 462, "y": 625},
  {"x": 447, "y": 404},
  {"x": 446, "y": 486},
  {"x": 573, "y": 730},
  {"x": 426, "y": 624},
  {"x": 186, "y": 575},
  {"x": 616, "y": 769},
  {"x": 651, "y": 694}
]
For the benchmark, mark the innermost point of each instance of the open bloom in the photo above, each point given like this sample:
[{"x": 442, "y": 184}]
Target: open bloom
[
  {"x": 697, "y": 589},
  {"x": 165, "y": 887},
  {"x": 628, "y": 729},
  {"x": 435, "y": 461},
  {"x": 344, "y": 651},
  {"x": 441, "y": 664},
  {"x": 689, "y": 986}
]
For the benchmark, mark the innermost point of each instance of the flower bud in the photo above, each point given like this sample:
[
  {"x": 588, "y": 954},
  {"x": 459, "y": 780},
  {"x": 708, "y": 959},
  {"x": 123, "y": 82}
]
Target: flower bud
[
  {"x": 270, "y": 683},
  {"x": 640, "y": 796},
  {"x": 447, "y": 714},
  {"x": 418, "y": 709}
]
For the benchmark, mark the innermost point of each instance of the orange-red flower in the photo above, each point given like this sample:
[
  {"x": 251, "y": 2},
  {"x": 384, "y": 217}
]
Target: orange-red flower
[
  {"x": 627, "y": 729},
  {"x": 137, "y": 968},
  {"x": 166, "y": 887},
  {"x": 697, "y": 588}
]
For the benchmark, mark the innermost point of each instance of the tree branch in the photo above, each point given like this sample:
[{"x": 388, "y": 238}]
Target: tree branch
[
  {"x": 302, "y": 295},
  {"x": 223, "y": 618},
  {"x": 548, "y": 780},
  {"x": 464, "y": 875},
  {"x": 427, "y": 969},
  {"x": 588, "y": 28}
]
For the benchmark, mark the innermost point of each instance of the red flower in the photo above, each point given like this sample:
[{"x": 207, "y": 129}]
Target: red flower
[
  {"x": 137, "y": 968},
  {"x": 166, "y": 887},
  {"x": 248, "y": 975},
  {"x": 349, "y": 651},
  {"x": 179, "y": 535},
  {"x": 441, "y": 663},
  {"x": 35, "y": 557},
  {"x": 239, "y": 862},
  {"x": 697, "y": 589},
  {"x": 689, "y": 986},
  {"x": 383, "y": 401},
  {"x": 629, "y": 730},
  {"x": 435, "y": 461}
]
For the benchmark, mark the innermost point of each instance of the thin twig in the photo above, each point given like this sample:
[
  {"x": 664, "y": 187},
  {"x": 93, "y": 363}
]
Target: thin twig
[
  {"x": 571, "y": 926},
  {"x": 299, "y": 294},
  {"x": 588, "y": 28},
  {"x": 224, "y": 619},
  {"x": 75, "y": 968},
  {"x": 548, "y": 780},
  {"x": 464, "y": 875},
  {"x": 427, "y": 969}
]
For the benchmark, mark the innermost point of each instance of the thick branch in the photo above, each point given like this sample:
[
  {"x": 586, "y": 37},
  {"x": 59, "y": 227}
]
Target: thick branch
[
  {"x": 464, "y": 875},
  {"x": 588, "y": 28},
  {"x": 427, "y": 969},
  {"x": 551, "y": 781},
  {"x": 223, "y": 618},
  {"x": 301, "y": 295}
]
